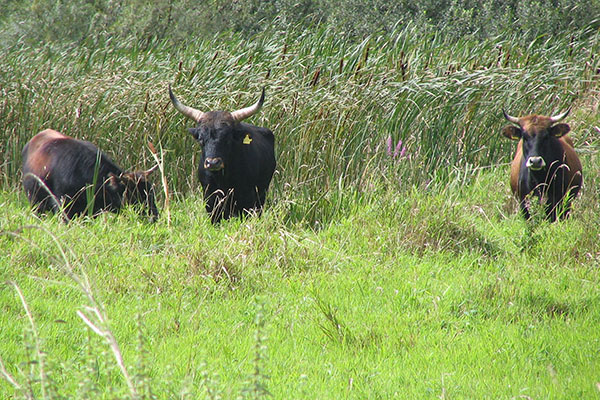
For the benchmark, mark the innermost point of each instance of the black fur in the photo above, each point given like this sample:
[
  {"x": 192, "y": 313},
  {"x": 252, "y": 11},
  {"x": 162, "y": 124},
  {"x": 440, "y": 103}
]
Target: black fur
[
  {"x": 245, "y": 155},
  {"x": 68, "y": 168}
]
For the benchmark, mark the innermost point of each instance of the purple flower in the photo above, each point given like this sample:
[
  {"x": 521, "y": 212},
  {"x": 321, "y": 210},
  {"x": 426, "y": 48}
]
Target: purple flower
[{"x": 398, "y": 152}]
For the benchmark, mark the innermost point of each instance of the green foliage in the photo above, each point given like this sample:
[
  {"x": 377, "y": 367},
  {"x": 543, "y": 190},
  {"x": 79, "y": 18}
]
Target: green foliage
[
  {"x": 434, "y": 279},
  {"x": 185, "y": 20},
  {"x": 371, "y": 274},
  {"x": 332, "y": 104}
]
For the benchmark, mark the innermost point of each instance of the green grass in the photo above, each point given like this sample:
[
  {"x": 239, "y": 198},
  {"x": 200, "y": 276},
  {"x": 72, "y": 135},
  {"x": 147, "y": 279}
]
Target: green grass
[
  {"x": 368, "y": 276},
  {"x": 439, "y": 293}
]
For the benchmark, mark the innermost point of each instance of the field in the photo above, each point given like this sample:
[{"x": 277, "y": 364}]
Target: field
[{"x": 370, "y": 275}]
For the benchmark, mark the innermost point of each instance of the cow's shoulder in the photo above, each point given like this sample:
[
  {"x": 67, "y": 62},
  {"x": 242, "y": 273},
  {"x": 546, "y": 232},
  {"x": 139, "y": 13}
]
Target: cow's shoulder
[
  {"x": 567, "y": 140},
  {"x": 50, "y": 134},
  {"x": 41, "y": 139}
]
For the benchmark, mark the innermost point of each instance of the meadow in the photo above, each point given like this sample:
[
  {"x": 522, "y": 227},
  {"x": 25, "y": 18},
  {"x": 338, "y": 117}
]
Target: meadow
[{"x": 370, "y": 274}]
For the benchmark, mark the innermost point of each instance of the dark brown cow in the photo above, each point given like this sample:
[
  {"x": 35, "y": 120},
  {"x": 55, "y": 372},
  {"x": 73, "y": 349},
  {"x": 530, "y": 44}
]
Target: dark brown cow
[
  {"x": 238, "y": 159},
  {"x": 58, "y": 170},
  {"x": 545, "y": 163}
]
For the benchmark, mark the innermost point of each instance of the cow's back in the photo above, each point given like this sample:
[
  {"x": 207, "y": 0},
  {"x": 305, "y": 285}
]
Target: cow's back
[
  {"x": 36, "y": 158},
  {"x": 65, "y": 167},
  {"x": 572, "y": 160}
]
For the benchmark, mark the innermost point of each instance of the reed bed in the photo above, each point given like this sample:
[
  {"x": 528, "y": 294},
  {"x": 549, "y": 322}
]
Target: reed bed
[{"x": 332, "y": 104}]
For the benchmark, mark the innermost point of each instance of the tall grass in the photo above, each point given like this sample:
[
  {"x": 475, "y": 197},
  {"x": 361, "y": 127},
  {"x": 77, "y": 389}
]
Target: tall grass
[
  {"x": 176, "y": 20},
  {"x": 401, "y": 290},
  {"x": 332, "y": 104}
]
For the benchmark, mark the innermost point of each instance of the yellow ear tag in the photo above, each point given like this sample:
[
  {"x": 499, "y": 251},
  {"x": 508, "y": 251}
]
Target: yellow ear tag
[{"x": 247, "y": 139}]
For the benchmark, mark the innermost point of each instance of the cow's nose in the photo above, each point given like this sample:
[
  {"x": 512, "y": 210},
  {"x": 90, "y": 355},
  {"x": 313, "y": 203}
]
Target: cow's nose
[
  {"x": 213, "y": 164},
  {"x": 535, "y": 163}
]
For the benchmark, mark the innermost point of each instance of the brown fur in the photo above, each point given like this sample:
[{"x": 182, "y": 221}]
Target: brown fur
[
  {"x": 572, "y": 161},
  {"x": 217, "y": 117},
  {"x": 37, "y": 158},
  {"x": 535, "y": 123},
  {"x": 571, "y": 177}
]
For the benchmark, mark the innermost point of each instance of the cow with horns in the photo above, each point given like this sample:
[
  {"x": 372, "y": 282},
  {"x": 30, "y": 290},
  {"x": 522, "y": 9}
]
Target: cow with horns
[
  {"x": 545, "y": 163},
  {"x": 238, "y": 159},
  {"x": 61, "y": 173}
]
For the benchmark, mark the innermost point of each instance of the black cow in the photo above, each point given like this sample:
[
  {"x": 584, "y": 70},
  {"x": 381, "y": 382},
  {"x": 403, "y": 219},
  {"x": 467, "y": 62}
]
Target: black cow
[
  {"x": 238, "y": 159},
  {"x": 62, "y": 172},
  {"x": 545, "y": 163}
]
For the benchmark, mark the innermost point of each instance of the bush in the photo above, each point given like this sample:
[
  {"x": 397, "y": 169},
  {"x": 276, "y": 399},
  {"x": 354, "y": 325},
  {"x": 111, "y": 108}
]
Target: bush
[{"x": 176, "y": 20}]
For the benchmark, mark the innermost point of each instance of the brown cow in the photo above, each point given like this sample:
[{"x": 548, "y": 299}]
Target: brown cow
[
  {"x": 58, "y": 170},
  {"x": 545, "y": 163}
]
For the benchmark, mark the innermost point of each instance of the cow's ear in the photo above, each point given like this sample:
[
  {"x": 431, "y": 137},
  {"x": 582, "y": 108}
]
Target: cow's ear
[
  {"x": 130, "y": 179},
  {"x": 195, "y": 132},
  {"x": 512, "y": 132},
  {"x": 128, "y": 176},
  {"x": 243, "y": 136},
  {"x": 559, "y": 130},
  {"x": 114, "y": 181}
]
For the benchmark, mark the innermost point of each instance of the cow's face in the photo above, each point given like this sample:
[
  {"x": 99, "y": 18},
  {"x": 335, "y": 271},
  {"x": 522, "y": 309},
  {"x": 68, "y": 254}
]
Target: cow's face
[
  {"x": 217, "y": 132},
  {"x": 135, "y": 188},
  {"x": 540, "y": 139}
]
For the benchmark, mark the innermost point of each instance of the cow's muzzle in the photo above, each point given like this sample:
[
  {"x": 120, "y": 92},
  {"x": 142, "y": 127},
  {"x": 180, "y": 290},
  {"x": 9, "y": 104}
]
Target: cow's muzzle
[
  {"x": 214, "y": 164},
  {"x": 535, "y": 163}
]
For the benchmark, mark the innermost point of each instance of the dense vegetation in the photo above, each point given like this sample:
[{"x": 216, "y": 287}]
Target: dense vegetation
[
  {"x": 390, "y": 261},
  {"x": 332, "y": 103},
  {"x": 179, "y": 20}
]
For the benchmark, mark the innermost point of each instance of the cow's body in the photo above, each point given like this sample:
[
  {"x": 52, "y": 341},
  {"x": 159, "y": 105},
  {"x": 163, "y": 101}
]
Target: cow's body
[
  {"x": 242, "y": 185},
  {"x": 238, "y": 160},
  {"x": 545, "y": 163},
  {"x": 60, "y": 172}
]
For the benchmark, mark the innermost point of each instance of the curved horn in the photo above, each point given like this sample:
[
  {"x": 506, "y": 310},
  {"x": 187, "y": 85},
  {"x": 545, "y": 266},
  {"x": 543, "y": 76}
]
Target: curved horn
[
  {"x": 556, "y": 118},
  {"x": 189, "y": 112},
  {"x": 244, "y": 113},
  {"x": 149, "y": 171},
  {"x": 512, "y": 119}
]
